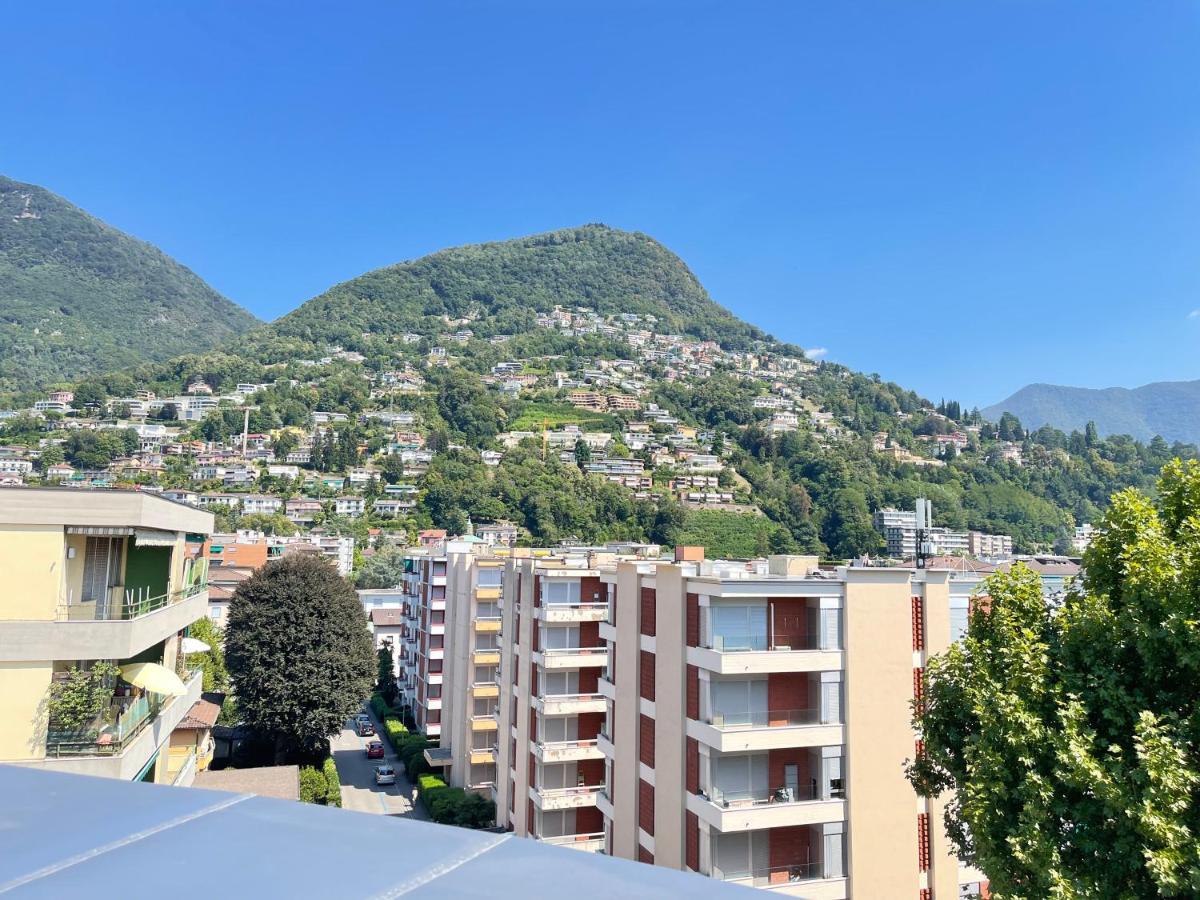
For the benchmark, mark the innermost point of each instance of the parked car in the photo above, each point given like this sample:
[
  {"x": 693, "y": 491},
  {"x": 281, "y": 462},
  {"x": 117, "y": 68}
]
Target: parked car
[
  {"x": 375, "y": 750},
  {"x": 365, "y": 729},
  {"x": 362, "y": 717},
  {"x": 385, "y": 775}
]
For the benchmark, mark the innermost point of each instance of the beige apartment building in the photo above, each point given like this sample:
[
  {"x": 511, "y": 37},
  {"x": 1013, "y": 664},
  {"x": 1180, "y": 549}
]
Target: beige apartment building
[
  {"x": 749, "y": 721},
  {"x": 89, "y": 577}
]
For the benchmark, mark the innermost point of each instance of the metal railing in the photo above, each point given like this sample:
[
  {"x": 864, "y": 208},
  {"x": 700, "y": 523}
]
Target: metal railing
[
  {"x": 132, "y": 605},
  {"x": 768, "y": 718},
  {"x": 581, "y": 791},
  {"x": 773, "y": 874},
  {"x": 574, "y": 651}
]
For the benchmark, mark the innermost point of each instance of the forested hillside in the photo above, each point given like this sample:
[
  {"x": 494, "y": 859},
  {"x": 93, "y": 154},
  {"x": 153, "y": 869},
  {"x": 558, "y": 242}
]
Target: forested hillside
[
  {"x": 459, "y": 375},
  {"x": 78, "y": 296}
]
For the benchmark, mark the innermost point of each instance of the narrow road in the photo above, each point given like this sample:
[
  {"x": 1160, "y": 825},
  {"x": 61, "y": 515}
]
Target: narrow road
[{"x": 357, "y": 775}]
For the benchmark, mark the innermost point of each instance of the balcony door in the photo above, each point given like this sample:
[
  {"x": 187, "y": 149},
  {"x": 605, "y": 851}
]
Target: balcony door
[
  {"x": 738, "y": 627},
  {"x": 560, "y": 637},
  {"x": 740, "y": 779},
  {"x": 101, "y": 572},
  {"x": 739, "y": 702}
]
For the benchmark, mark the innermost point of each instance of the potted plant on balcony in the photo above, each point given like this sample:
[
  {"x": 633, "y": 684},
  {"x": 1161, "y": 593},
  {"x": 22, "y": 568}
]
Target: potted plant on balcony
[{"x": 76, "y": 701}]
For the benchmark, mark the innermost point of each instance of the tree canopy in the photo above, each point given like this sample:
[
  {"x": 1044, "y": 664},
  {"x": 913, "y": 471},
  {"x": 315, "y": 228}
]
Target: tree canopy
[
  {"x": 1069, "y": 732},
  {"x": 299, "y": 653}
]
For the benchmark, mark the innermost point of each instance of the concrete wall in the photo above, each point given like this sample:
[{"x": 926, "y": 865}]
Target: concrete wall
[
  {"x": 23, "y": 690},
  {"x": 669, "y": 717},
  {"x": 32, "y": 562},
  {"x": 882, "y": 821}
]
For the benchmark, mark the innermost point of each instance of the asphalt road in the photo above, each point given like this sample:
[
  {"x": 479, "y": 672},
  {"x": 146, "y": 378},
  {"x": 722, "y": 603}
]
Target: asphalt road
[{"x": 357, "y": 775}]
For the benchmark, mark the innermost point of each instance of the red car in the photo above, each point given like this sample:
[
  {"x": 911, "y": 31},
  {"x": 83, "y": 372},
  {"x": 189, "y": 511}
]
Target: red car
[{"x": 375, "y": 750}]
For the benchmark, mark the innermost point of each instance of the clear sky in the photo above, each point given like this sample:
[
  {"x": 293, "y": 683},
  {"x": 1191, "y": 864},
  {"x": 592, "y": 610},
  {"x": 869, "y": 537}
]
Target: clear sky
[{"x": 961, "y": 196}]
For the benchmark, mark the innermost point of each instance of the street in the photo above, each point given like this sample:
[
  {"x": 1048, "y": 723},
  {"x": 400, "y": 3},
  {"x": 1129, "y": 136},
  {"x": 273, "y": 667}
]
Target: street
[{"x": 357, "y": 776}]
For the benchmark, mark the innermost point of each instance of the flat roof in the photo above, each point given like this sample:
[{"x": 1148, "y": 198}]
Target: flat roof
[
  {"x": 153, "y": 834},
  {"x": 81, "y": 506}
]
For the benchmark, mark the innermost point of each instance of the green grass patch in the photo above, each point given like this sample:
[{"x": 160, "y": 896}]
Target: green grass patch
[{"x": 539, "y": 412}]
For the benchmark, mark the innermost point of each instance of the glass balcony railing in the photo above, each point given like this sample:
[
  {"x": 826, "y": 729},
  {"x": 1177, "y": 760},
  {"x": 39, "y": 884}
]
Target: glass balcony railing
[
  {"x": 764, "y": 796},
  {"x": 759, "y": 641},
  {"x": 770, "y": 718},
  {"x": 772, "y": 875}
]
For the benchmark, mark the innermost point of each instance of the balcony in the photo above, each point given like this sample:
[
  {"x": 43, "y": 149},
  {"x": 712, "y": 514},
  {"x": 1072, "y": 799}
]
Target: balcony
[
  {"x": 766, "y": 730},
  {"x": 485, "y": 689},
  {"x": 809, "y": 877},
  {"x": 482, "y": 755},
  {"x": 484, "y": 723},
  {"x": 124, "y": 747},
  {"x": 588, "y": 843},
  {"x": 572, "y": 612},
  {"x": 755, "y": 653},
  {"x": 779, "y": 808},
  {"x": 487, "y": 592},
  {"x": 550, "y": 799},
  {"x": 606, "y": 688},
  {"x": 117, "y": 629},
  {"x": 569, "y": 704},
  {"x": 571, "y": 657},
  {"x": 486, "y": 657},
  {"x": 487, "y": 624},
  {"x": 567, "y": 751}
]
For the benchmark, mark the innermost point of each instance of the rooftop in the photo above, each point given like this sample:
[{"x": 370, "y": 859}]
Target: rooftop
[
  {"x": 282, "y": 782},
  {"x": 53, "y": 848}
]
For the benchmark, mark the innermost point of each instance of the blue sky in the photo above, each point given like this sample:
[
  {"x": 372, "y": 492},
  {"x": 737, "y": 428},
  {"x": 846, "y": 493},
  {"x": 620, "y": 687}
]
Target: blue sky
[{"x": 962, "y": 197}]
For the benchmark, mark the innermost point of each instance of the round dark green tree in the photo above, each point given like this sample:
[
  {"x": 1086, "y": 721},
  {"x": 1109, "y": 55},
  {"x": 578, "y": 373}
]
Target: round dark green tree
[{"x": 299, "y": 653}]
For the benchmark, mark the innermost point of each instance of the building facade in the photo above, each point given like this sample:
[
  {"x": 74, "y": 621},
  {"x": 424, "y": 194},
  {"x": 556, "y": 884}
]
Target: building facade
[{"x": 91, "y": 578}]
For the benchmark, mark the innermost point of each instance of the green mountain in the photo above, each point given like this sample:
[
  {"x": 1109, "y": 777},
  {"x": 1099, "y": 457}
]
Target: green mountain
[
  {"x": 1167, "y": 408},
  {"x": 506, "y": 284},
  {"x": 842, "y": 445},
  {"x": 78, "y": 296}
]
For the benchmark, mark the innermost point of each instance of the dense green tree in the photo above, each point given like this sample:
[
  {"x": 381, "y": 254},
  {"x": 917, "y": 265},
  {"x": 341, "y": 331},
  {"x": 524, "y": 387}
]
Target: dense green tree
[
  {"x": 583, "y": 454},
  {"x": 384, "y": 569},
  {"x": 299, "y": 653},
  {"x": 268, "y": 523},
  {"x": 1069, "y": 733}
]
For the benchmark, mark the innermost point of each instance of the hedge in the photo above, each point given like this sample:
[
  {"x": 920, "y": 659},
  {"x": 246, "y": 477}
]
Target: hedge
[
  {"x": 333, "y": 796},
  {"x": 381, "y": 708},
  {"x": 454, "y": 806}
]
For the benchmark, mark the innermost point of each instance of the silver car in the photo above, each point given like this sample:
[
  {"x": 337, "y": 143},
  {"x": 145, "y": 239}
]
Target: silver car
[{"x": 385, "y": 775}]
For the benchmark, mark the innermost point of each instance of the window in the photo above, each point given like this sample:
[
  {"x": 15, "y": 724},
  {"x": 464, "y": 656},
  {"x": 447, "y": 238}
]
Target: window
[
  {"x": 834, "y": 850},
  {"x": 831, "y": 629},
  {"x": 560, "y": 591},
  {"x": 101, "y": 568},
  {"x": 739, "y": 779},
  {"x": 738, "y": 627},
  {"x": 959, "y": 607},
  {"x": 831, "y": 698},
  {"x": 489, "y": 577},
  {"x": 742, "y": 854},
  {"x": 739, "y": 702}
]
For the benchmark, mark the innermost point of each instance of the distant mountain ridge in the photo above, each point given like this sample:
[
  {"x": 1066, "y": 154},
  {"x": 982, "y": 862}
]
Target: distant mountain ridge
[
  {"x": 78, "y": 296},
  {"x": 1167, "y": 408}
]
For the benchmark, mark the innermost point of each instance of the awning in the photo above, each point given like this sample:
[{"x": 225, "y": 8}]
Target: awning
[
  {"x": 100, "y": 530},
  {"x": 153, "y": 537},
  {"x": 194, "y": 645},
  {"x": 154, "y": 678}
]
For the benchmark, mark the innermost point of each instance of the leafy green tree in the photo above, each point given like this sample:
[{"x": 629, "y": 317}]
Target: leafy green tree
[
  {"x": 269, "y": 523},
  {"x": 211, "y": 663},
  {"x": 89, "y": 395},
  {"x": 299, "y": 653},
  {"x": 77, "y": 701},
  {"x": 385, "y": 677},
  {"x": 384, "y": 569},
  {"x": 392, "y": 468},
  {"x": 1069, "y": 733},
  {"x": 583, "y": 454},
  {"x": 284, "y": 443}
]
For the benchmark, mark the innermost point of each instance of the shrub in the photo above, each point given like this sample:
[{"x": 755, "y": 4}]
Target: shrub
[
  {"x": 454, "y": 806},
  {"x": 333, "y": 796},
  {"x": 380, "y": 707},
  {"x": 314, "y": 787}
]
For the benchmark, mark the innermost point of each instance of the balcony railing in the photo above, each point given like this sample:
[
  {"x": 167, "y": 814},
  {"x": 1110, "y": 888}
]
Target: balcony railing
[
  {"x": 550, "y": 653},
  {"x": 565, "y": 703},
  {"x": 805, "y": 793},
  {"x": 760, "y": 641},
  {"x": 556, "y": 751},
  {"x": 590, "y": 843},
  {"x": 772, "y": 875},
  {"x": 767, "y": 718},
  {"x": 132, "y": 605},
  {"x": 113, "y": 729},
  {"x": 573, "y": 612}
]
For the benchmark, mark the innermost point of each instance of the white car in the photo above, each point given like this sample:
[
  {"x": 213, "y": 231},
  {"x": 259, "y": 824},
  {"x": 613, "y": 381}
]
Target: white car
[{"x": 385, "y": 775}]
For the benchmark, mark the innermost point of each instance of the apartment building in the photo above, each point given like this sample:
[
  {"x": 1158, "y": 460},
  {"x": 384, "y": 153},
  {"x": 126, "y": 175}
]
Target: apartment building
[
  {"x": 93, "y": 577},
  {"x": 469, "y": 722},
  {"x": 748, "y": 721},
  {"x": 980, "y": 544},
  {"x": 550, "y": 766},
  {"x": 421, "y": 658}
]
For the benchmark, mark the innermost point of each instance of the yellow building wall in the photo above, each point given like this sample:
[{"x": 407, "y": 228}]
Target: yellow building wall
[
  {"x": 23, "y": 690},
  {"x": 882, "y": 821},
  {"x": 31, "y": 571}
]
